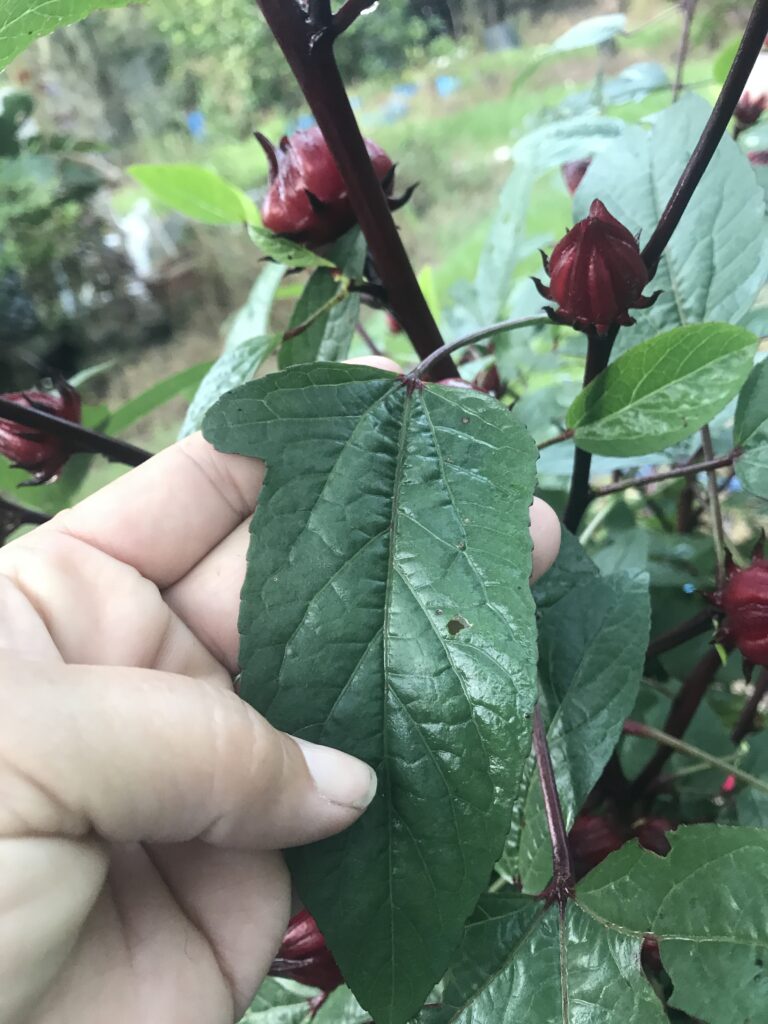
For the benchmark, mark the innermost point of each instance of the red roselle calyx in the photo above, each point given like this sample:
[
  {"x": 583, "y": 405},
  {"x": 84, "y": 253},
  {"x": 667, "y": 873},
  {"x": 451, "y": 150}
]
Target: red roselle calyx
[
  {"x": 744, "y": 601},
  {"x": 754, "y": 99},
  {"x": 596, "y": 274},
  {"x": 41, "y": 453},
  {"x": 304, "y": 957},
  {"x": 307, "y": 200},
  {"x": 573, "y": 173}
]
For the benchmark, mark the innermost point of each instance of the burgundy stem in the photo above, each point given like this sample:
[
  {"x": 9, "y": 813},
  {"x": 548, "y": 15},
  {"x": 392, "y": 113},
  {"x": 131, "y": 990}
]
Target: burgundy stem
[
  {"x": 563, "y": 879},
  {"x": 349, "y": 14},
  {"x": 669, "y": 474},
  {"x": 684, "y": 707},
  {"x": 698, "y": 624},
  {"x": 80, "y": 438},
  {"x": 309, "y": 53},
  {"x": 689, "y": 9},
  {"x": 22, "y": 513}
]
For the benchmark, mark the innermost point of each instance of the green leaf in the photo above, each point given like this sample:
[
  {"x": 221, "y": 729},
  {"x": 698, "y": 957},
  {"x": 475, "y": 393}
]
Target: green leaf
[
  {"x": 501, "y": 250},
  {"x": 750, "y": 805},
  {"x": 591, "y": 32},
  {"x": 284, "y": 251},
  {"x": 706, "y": 897},
  {"x": 160, "y": 393},
  {"x": 389, "y": 565},
  {"x": 519, "y": 967},
  {"x": 329, "y": 336},
  {"x": 592, "y": 647},
  {"x": 252, "y": 319},
  {"x": 717, "y": 259},
  {"x": 752, "y": 466},
  {"x": 231, "y": 369},
  {"x": 576, "y": 138},
  {"x": 23, "y": 21},
  {"x": 572, "y": 567},
  {"x": 279, "y": 1001},
  {"x": 752, "y": 407},
  {"x": 662, "y": 390},
  {"x": 196, "y": 192}
]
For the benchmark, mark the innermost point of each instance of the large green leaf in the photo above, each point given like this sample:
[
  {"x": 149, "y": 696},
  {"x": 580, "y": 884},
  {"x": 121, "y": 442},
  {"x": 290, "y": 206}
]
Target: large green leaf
[
  {"x": 197, "y": 192},
  {"x": 23, "y": 21},
  {"x": 575, "y": 138},
  {"x": 752, "y": 407},
  {"x": 591, "y": 32},
  {"x": 717, "y": 259},
  {"x": 233, "y": 367},
  {"x": 328, "y": 337},
  {"x": 501, "y": 251},
  {"x": 662, "y": 390},
  {"x": 155, "y": 396},
  {"x": 252, "y": 319},
  {"x": 592, "y": 647},
  {"x": 386, "y": 611},
  {"x": 516, "y": 966},
  {"x": 706, "y": 902}
]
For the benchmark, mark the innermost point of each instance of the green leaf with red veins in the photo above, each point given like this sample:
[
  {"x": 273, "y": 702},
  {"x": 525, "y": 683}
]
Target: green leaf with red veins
[
  {"x": 386, "y": 611},
  {"x": 717, "y": 260},
  {"x": 715, "y": 948}
]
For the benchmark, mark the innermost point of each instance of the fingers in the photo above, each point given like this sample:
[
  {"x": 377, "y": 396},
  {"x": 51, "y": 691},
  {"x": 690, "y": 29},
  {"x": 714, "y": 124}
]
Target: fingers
[{"x": 142, "y": 756}]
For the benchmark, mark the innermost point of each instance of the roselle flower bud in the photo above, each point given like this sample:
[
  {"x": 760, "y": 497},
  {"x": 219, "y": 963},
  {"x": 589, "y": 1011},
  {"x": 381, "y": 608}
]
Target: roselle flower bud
[
  {"x": 591, "y": 839},
  {"x": 307, "y": 199},
  {"x": 596, "y": 274},
  {"x": 304, "y": 957},
  {"x": 40, "y": 453},
  {"x": 754, "y": 99},
  {"x": 573, "y": 172},
  {"x": 744, "y": 600}
]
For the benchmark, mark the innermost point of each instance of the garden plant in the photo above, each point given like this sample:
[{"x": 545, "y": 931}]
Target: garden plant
[{"x": 571, "y": 822}]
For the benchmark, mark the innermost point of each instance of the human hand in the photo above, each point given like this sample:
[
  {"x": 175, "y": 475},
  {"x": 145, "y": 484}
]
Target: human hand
[{"x": 142, "y": 803}]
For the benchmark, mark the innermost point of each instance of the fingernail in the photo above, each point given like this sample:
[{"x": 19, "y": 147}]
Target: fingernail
[{"x": 339, "y": 778}]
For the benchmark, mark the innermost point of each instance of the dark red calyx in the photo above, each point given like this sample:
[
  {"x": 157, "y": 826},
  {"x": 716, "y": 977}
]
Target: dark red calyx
[
  {"x": 304, "y": 957},
  {"x": 307, "y": 200},
  {"x": 573, "y": 173},
  {"x": 651, "y": 834},
  {"x": 40, "y": 453},
  {"x": 596, "y": 274},
  {"x": 754, "y": 98},
  {"x": 744, "y": 602},
  {"x": 591, "y": 839}
]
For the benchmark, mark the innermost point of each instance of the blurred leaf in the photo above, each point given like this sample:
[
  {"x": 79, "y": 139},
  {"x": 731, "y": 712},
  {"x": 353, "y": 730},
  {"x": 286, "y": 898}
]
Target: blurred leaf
[
  {"x": 591, "y": 32},
  {"x": 429, "y": 288},
  {"x": 252, "y": 319},
  {"x": 431, "y": 680},
  {"x": 752, "y": 465},
  {"x": 23, "y": 21},
  {"x": 501, "y": 251},
  {"x": 725, "y": 57},
  {"x": 284, "y": 251},
  {"x": 640, "y": 892},
  {"x": 717, "y": 259},
  {"x": 329, "y": 336},
  {"x": 196, "y": 192},
  {"x": 752, "y": 407},
  {"x": 551, "y": 145},
  {"x": 77, "y": 380},
  {"x": 279, "y": 1001},
  {"x": 155, "y": 396},
  {"x": 341, "y": 1007},
  {"x": 592, "y": 647},
  {"x": 634, "y": 83},
  {"x": 662, "y": 390},
  {"x": 750, "y": 805},
  {"x": 231, "y": 369}
]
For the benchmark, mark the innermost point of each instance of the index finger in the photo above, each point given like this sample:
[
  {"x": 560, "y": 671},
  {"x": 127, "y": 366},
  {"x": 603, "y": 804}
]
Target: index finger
[{"x": 166, "y": 515}]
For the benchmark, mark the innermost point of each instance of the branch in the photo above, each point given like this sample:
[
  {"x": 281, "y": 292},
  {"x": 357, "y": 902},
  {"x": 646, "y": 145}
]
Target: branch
[
  {"x": 11, "y": 512},
  {"x": 80, "y": 438},
  {"x": 469, "y": 339},
  {"x": 689, "y": 9},
  {"x": 565, "y": 436},
  {"x": 684, "y": 707},
  {"x": 746, "y": 722},
  {"x": 698, "y": 624},
  {"x": 349, "y": 14},
  {"x": 563, "y": 881},
  {"x": 632, "y": 728},
  {"x": 670, "y": 474},
  {"x": 717, "y": 125},
  {"x": 311, "y": 59},
  {"x": 715, "y": 512}
]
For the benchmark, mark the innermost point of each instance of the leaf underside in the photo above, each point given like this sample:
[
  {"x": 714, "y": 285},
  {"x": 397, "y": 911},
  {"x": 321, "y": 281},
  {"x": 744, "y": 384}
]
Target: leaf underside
[{"x": 387, "y": 612}]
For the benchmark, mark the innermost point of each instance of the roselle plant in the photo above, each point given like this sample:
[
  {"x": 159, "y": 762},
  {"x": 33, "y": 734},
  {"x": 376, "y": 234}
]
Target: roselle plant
[{"x": 571, "y": 822}]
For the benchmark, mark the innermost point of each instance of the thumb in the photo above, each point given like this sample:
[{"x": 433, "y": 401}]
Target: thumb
[{"x": 137, "y": 755}]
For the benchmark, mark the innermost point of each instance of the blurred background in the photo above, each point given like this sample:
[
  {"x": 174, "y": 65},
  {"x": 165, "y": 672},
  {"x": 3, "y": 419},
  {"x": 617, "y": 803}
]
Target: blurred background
[{"x": 97, "y": 275}]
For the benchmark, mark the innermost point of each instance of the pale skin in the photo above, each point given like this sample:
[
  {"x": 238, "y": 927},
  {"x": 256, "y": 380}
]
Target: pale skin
[{"x": 143, "y": 805}]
